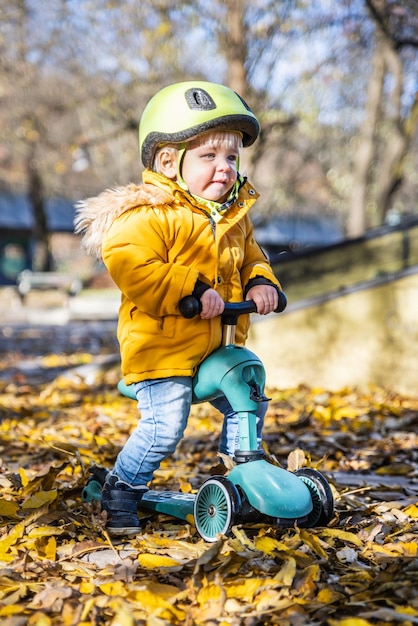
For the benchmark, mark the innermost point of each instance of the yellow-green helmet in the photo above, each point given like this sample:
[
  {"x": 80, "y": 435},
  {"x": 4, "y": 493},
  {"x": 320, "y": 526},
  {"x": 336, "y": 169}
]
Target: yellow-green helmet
[{"x": 181, "y": 111}]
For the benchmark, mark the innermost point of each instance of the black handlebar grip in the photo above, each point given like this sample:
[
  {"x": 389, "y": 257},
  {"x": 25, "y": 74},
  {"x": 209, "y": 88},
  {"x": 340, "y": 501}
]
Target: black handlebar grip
[
  {"x": 282, "y": 302},
  {"x": 189, "y": 307}
]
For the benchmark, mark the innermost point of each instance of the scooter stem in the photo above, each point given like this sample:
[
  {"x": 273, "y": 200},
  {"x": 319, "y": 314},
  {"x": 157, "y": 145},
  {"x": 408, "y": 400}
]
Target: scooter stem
[{"x": 228, "y": 335}]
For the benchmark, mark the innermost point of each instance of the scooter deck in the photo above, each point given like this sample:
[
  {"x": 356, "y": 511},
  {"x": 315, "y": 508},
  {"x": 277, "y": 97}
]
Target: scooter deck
[{"x": 176, "y": 504}]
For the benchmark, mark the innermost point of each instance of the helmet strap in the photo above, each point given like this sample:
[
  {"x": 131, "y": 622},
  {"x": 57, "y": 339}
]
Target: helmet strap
[{"x": 180, "y": 156}]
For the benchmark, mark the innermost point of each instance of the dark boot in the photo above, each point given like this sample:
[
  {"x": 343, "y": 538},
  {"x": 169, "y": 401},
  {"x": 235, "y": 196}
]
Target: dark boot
[{"x": 121, "y": 504}]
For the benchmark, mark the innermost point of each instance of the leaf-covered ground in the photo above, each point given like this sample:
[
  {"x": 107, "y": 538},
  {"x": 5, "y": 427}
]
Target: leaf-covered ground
[{"x": 59, "y": 567}]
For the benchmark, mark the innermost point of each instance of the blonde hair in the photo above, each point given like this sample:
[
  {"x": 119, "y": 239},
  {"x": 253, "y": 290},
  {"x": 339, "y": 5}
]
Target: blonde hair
[{"x": 230, "y": 139}]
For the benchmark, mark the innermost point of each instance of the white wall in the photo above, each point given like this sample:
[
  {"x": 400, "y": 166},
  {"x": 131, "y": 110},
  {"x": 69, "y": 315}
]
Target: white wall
[{"x": 362, "y": 338}]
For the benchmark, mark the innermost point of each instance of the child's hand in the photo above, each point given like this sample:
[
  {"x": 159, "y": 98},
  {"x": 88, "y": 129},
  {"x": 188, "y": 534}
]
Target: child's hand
[
  {"x": 212, "y": 304},
  {"x": 265, "y": 297}
]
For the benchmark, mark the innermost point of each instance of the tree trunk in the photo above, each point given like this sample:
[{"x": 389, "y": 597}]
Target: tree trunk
[
  {"x": 389, "y": 176},
  {"x": 356, "y": 222},
  {"x": 43, "y": 259},
  {"x": 235, "y": 48}
]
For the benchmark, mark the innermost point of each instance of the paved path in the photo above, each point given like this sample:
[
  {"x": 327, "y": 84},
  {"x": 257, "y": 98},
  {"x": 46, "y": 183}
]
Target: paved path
[
  {"x": 51, "y": 324},
  {"x": 24, "y": 348},
  {"x": 56, "y": 308}
]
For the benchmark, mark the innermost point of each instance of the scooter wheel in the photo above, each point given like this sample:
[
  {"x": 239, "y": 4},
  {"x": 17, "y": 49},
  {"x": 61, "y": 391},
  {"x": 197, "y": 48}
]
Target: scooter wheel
[
  {"x": 322, "y": 498},
  {"x": 216, "y": 506}
]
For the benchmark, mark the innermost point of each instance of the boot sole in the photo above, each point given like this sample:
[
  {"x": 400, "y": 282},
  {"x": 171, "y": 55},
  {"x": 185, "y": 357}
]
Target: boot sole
[{"x": 126, "y": 531}]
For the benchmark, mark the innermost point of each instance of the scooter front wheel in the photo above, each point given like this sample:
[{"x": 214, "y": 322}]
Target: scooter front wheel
[{"x": 216, "y": 507}]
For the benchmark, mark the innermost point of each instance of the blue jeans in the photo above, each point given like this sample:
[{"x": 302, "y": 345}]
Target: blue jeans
[{"x": 164, "y": 405}]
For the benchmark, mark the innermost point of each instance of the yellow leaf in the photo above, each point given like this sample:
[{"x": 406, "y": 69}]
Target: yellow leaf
[
  {"x": 395, "y": 469},
  {"x": 8, "y": 508},
  {"x": 412, "y": 511},
  {"x": 39, "y": 619},
  {"x": 11, "y": 538},
  {"x": 157, "y": 600},
  {"x": 45, "y": 531},
  {"x": 40, "y": 499},
  {"x": 10, "y": 609},
  {"x": 246, "y": 589},
  {"x": 209, "y": 593},
  {"x": 6, "y": 556},
  {"x": 287, "y": 572},
  {"x": 159, "y": 590},
  {"x": 312, "y": 541},
  {"x": 328, "y": 596},
  {"x": 51, "y": 549},
  {"x": 405, "y": 548},
  {"x": 12, "y": 592},
  {"x": 185, "y": 486},
  {"x": 154, "y": 561},
  {"x": 86, "y": 587},
  {"x": 124, "y": 617},
  {"x": 268, "y": 545},
  {"x": 89, "y": 603},
  {"x": 346, "y": 412},
  {"x": 117, "y": 588},
  {"x": 23, "y": 476},
  {"x": 408, "y": 610},
  {"x": 242, "y": 537},
  {"x": 181, "y": 550},
  {"x": 341, "y": 534}
]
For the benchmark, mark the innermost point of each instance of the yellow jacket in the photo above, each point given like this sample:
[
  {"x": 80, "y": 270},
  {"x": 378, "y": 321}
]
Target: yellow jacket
[{"x": 156, "y": 241}]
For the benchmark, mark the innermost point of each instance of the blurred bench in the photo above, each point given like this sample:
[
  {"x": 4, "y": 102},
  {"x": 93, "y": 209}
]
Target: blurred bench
[{"x": 28, "y": 281}]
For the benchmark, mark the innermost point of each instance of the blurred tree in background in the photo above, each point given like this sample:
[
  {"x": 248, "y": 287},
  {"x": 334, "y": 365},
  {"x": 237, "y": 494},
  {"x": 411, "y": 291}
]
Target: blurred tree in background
[{"x": 333, "y": 83}]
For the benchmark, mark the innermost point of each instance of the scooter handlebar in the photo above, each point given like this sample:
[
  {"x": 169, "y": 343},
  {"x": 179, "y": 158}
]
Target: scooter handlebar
[{"x": 189, "y": 307}]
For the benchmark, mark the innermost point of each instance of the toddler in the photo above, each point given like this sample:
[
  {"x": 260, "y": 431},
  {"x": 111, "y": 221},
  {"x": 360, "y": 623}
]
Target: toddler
[{"x": 183, "y": 231}]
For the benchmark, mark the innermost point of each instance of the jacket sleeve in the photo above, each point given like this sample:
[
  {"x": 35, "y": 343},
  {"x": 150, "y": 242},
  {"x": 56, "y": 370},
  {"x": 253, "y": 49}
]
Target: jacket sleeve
[
  {"x": 134, "y": 251},
  {"x": 256, "y": 264}
]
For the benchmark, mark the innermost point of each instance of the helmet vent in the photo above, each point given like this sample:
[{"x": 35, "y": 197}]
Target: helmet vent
[{"x": 199, "y": 100}]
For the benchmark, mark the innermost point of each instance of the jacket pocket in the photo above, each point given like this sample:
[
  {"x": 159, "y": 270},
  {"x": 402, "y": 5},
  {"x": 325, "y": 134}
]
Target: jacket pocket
[{"x": 168, "y": 325}]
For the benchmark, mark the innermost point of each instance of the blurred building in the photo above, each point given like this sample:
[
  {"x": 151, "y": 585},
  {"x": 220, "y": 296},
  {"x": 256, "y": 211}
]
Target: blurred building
[
  {"x": 287, "y": 233},
  {"x": 18, "y": 241}
]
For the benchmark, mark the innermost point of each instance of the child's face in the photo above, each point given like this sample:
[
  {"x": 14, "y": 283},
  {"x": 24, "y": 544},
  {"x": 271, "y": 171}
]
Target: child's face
[{"x": 209, "y": 166}]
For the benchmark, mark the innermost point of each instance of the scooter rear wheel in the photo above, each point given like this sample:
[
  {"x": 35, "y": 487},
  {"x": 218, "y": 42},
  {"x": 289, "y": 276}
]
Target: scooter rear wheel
[
  {"x": 216, "y": 506},
  {"x": 322, "y": 498}
]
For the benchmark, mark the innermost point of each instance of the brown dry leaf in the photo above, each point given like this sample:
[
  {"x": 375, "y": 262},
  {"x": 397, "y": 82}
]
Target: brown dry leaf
[
  {"x": 51, "y": 597},
  {"x": 296, "y": 460}
]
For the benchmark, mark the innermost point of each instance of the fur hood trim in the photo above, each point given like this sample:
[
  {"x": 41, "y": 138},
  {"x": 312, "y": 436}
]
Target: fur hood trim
[{"x": 94, "y": 216}]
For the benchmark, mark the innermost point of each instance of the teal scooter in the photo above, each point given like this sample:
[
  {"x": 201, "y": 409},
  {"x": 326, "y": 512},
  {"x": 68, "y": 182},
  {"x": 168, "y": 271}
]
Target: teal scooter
[{"x": 254, "y": 491}]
